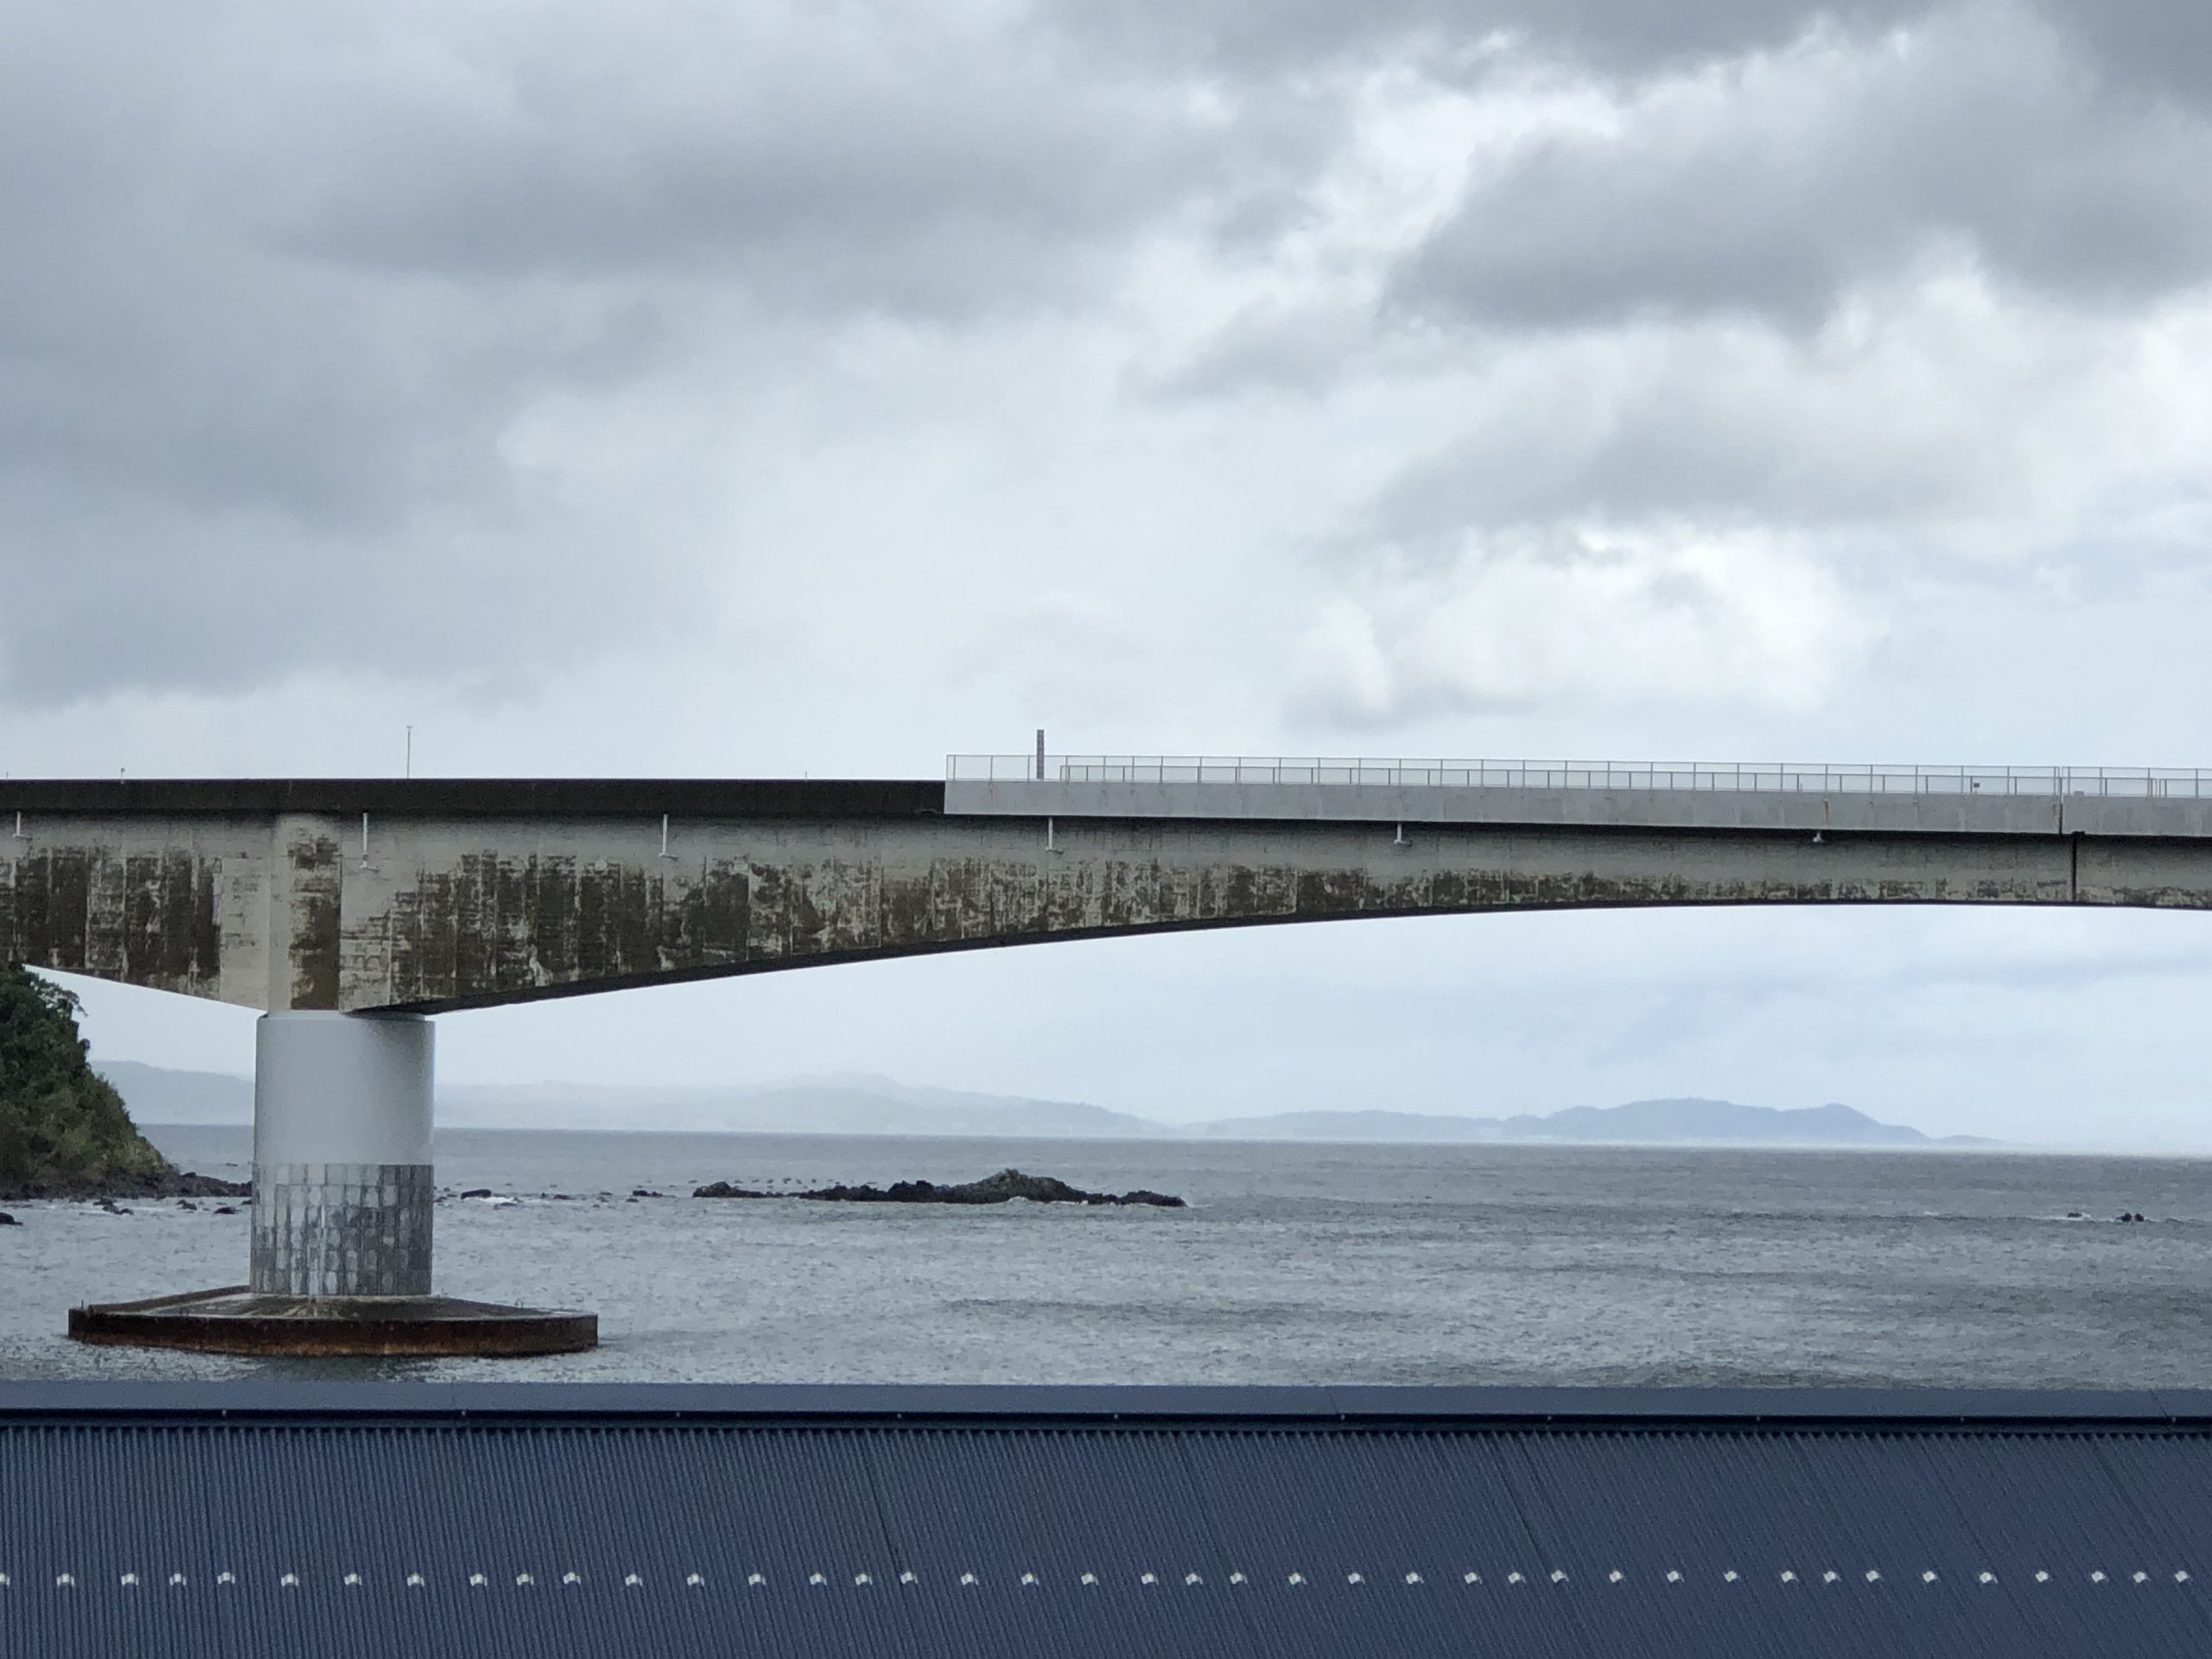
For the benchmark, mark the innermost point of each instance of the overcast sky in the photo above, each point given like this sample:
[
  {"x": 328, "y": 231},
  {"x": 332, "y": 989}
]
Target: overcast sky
[{"x": 724, "y": 389}]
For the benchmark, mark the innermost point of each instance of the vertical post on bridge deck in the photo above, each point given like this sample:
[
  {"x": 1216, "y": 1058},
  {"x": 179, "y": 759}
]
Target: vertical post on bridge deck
[{"x": 1040, "y": 754}]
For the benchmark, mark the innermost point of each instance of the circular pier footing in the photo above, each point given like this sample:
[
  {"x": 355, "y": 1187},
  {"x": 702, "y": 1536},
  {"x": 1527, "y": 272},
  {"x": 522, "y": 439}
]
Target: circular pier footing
[{"x": 236, "y": 1321}]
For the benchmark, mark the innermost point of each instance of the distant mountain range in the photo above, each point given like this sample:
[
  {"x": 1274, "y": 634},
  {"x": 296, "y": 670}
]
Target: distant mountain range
[
  {"x": 1641, "y": 1123},
  {"x": 866, "y": 1104}
]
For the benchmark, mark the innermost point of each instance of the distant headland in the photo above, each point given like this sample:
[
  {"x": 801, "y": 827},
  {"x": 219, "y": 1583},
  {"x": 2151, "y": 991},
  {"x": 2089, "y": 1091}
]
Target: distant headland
[
  {"x": 1640, "y": 1122},
  {"x": 868, "y": 1104}
]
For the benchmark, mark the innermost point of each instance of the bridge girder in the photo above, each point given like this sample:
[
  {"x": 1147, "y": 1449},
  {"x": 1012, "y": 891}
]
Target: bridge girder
[{"x": 434, "y": 897}]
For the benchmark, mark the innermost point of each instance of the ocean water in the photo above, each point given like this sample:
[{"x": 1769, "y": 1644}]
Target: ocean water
[{"x": 1293, "y": 1263}]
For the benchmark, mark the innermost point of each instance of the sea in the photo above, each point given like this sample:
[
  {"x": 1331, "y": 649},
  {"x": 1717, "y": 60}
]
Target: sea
[{"x": 1291, "y": 1263}]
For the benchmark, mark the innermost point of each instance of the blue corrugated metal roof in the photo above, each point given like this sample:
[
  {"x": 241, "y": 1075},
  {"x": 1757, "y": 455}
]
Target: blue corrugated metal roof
[{"x": 385, "y": 1520}]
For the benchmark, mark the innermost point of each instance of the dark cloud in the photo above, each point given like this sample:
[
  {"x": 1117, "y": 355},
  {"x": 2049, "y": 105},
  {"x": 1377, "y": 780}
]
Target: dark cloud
[
  {"x": 217, "y": 466},
  {"x": 923, "y": 173},
  {"x": 1775, "y": 189},
  {"x": 276, "y": 297},
  {"x": 2165, "y": 45},
  {"x": 1712, "y": 434},
  {"x": 284, "y": 295},
  {"x": 1238, "y": 38}
]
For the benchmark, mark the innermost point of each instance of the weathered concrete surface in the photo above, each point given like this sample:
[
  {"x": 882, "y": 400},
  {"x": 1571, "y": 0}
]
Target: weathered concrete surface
[
  {"x": 342, "y": 1182},
  {"x": 1964, "y": 811},
  {"x": 463, "y": 895},
  {"x": 341, "y": 1230}
]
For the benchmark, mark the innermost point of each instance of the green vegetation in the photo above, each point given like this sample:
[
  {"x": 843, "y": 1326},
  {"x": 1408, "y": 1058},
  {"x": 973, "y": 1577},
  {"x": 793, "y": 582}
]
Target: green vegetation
[{"x": 63, "y": 1129}]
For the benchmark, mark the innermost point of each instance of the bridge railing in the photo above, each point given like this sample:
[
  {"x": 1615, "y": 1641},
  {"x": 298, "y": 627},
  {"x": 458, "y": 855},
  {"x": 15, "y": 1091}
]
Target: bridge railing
[{"x": 1756, "y": 777}]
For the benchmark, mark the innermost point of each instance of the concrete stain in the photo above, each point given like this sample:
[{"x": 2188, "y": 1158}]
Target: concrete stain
[
  {"x": 313, "y": 941},
  {"x": 440, "y": 915}
]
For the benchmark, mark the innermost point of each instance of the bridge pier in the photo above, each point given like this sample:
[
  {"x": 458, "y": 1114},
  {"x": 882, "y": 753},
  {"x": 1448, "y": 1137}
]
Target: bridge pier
[
  {"x": 343, "y": 1202},
  {"x": 341, "y": 1154}
]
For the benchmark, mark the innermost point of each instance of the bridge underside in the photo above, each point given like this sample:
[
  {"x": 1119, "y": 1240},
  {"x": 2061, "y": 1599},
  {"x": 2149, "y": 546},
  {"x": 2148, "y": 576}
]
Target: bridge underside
[{"x": 421, "y": 900}]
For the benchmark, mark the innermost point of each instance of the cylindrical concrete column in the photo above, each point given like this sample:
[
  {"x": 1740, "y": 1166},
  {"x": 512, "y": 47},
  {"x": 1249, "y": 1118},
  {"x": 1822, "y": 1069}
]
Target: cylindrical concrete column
[{"x": 341, "y": 1154}]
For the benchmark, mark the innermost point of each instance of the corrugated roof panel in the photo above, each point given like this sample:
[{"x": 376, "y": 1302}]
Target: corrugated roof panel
[
  {"x": 1424, "y": 1502},
  {"x": 370, "y": 1532},
  {"x": 1699, "y": 1548}
]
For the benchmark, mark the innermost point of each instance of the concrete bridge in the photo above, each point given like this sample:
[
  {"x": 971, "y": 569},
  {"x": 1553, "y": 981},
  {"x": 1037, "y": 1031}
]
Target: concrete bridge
[
  {"x": 318, "y": 900},
  {"x": 429, "y": 896}
]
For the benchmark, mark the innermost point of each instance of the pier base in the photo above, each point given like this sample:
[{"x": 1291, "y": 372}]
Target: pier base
[
  {"x": 342, "y": 1207},
  {"x": 236, "y": 1321}
]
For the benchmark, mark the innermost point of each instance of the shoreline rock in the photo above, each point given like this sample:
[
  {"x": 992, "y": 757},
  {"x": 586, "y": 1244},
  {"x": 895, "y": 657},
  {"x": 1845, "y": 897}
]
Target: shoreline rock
[
  {"x": 158, "y": 1184},
  {"x": 1007, "y": 1185}
]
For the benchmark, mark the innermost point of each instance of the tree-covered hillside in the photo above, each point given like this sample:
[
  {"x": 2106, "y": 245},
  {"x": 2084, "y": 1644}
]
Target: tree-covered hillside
[{"x": 63, "y": 1131}]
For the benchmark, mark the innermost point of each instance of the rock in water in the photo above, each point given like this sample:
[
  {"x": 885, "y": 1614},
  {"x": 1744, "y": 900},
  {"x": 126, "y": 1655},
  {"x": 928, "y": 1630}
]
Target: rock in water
[
  {"x": 64, "y": 1133},
  {"x": 1007, "y": 1185},
  {"x": 7, "y": 1220}
]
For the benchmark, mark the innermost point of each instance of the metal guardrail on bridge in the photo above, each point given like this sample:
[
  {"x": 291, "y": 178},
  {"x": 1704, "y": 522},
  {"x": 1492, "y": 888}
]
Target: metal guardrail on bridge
[{"x": 1756, "y": 777}]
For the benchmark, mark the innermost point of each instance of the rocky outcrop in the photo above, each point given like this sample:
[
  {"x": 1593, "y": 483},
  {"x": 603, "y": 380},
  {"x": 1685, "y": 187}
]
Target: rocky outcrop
[
  {"x": 64, "y": 1133},
  {"x": 1007, "y": 1185},
  {"x": 167, "y": 1182}
]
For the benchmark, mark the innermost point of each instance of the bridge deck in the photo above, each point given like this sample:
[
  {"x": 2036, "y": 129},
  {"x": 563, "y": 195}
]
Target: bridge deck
[
  {"x": 1985, "y": 800},
  {"x": 439, "y": 894},
  {"x": 478, "y": 797}
]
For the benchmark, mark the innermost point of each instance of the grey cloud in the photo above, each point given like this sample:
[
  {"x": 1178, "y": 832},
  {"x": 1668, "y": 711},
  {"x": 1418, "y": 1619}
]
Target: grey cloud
[
  {"x": 217, "y": 467},
  {"x": 1933, "y": 449},
  {"x": 1719, "y": 432},
  {"x": 1662, "y": 462},
  {"x": 2165, "y": 45},
  {"x": 278, "y": 295},
  {"x": 1775, "y": 191},
  {"x": 1272, "y": 37},
  {"x": 913, "y": 175},
  {"x": 280, "y": 291},
  {"x": 1265, "y": 351}
]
